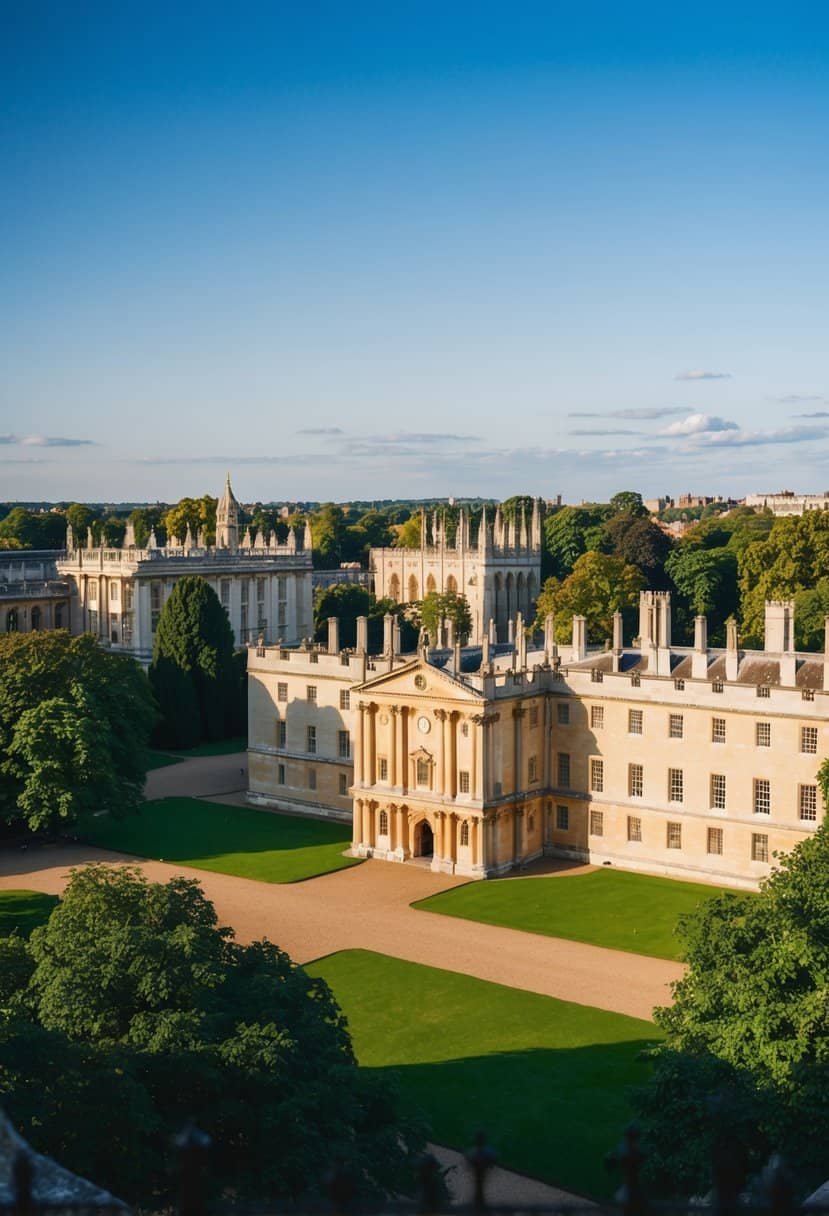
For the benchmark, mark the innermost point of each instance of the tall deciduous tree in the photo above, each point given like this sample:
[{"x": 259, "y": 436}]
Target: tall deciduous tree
[
  {"x": 571, "y": 532},
  {"x": 194, "y": 646},
  {"x": 74, "y": 724},
  {"x": 137, "y": 983},
  {"x": 598, "y": 586},
  {"x": 448, "y": 605},
  {"x": 199, "y": 514}
]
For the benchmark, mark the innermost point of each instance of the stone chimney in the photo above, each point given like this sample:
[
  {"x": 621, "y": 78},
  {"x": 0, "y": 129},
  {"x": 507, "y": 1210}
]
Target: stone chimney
[
  {"x": 618, "y": 641},
  {"x": 779, "y": 632},
  {"x": 521, "y": 640},
  {"x": 388, "y": 633},
  {"x": 732, "y": 654},
  {"x": 362, "y": 634},
  {"x": 579, "y": 638},
  {"x": 699, "y": 657},
  {"x": 493, "y": 632},
  {"x": 333, "y": 635},
  {"x": 549, "y": 638},
  {"x": 395, "y": 637}
]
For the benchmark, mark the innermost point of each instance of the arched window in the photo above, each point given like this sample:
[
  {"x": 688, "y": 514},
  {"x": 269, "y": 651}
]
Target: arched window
[
  {"x": 451, "y": 585},
  {"x": 465, "y": 833},
  {"x": 431, "y": 585},
  {"x": 384, "y": 823},
  {"x": 11, "y": 621},
  {"x": 35, "y": 618},
  {"x": 58, "y": 616},
  {"x": 394, "y": 589},
  {"x": 413, "y": 589}
]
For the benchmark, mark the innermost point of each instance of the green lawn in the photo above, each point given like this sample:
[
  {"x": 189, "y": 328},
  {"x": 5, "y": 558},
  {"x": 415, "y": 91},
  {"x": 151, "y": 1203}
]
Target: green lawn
[
  {"x": 219, "y": 747},
  {"x": 546, "y": 1079},
  {"x": 22, "y": 911},
  {"x": 161, "y": 760},
  {"x": 227, "y": 839},
  {"x": 613, "y": 908}
]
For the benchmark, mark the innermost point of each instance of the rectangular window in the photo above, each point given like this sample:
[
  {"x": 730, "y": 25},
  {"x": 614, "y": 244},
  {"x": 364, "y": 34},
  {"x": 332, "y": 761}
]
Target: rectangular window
[
  {"x": 634, "y": 721},
  {"x": 92, "y": 590},
  {"x": 676, "y": 785},
  {"x": 533, "y": 717},
  {"x": 597, "y": 775},
  {"x": 676, "y": 725},
  {"x": 563, "y": 713},
  {"x": 312, "y": 778},
  {"x": 465, "y": 729},
  {"x": 808, "y": 739},
  {"x": 597, "y": 823},
  {"x": 463, "y": 781},
  {"x": 532, "y": 770},
  {"x": 564, "y": 769},
  {"x": 715, "y": 841},
  {"x": 224, "y": 592},
  {"x": 763, "y": 690},
  {"x": 762, "y": 734},
  {"x": 718, "y": 791},
  {"x": 155, "y": 604},
  {"x": 762, "y": 796},
  {"x": 244, "y": 585},
  {"x": 343, "y": 783},
  {"x": 634, "y": 827},
  {"x": 382, "y": 768},
  {"x": 636, "y": 780},
  {"x": 345, "y": 698},
  {"x": 282, "y": 734},
  {"x": 716, "y": 686},
  {"x": 635, "y": 680},
  {"x": 311, "y": 694},
  {"x": 718, "y": 730},
  {"x": 807, "y": 694},
  {"x": 343, "y": 745},
  {"x": 759, "y": 846},
  {"x": 113, "y": 593},
  {"x": 596, "y": 717},
  {"x": 281, "y": 691},
  {"x": 563, "y": 818},
  {"x": 281, "y": 587},
  {"x": 311, "y": 740},
  {"x": 679, "y": 685},
  {"x": 422, "y": 768},
  {"x": 596, "y": 676},
  {"x": 808, "y": 802},
  {"x": 128, "y": 597},
  {"x": 280, "y": 774},
  {"x": 673, "y": 836}
]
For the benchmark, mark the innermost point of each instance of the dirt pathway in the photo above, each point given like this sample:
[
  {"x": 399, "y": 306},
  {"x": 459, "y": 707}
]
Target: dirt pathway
[{"x": 368, "y": 907}]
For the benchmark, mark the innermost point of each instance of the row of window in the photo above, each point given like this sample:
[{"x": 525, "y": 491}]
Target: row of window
[
  {"x": 311, "y": 694},
  {"x": 676, "y": 727},
  {"x": 673, "y": 834},
  {"x": 311, "y": 779},
  {"x": 343, "y": 740}
]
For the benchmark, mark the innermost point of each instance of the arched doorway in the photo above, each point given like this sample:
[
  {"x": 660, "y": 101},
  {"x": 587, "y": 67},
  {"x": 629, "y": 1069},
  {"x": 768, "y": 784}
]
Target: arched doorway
[
  {"x": 424, "y": 840},
  {"x": 451, "y": 585},
  {"x": 394, "y": 589}
]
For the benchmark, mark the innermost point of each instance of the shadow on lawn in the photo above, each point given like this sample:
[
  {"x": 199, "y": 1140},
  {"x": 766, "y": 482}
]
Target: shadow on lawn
[{"x": 551, "y": 1113}]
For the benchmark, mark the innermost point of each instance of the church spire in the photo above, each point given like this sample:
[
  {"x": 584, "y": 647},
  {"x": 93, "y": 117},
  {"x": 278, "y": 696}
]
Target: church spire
[{"x": 227, "y": 519}]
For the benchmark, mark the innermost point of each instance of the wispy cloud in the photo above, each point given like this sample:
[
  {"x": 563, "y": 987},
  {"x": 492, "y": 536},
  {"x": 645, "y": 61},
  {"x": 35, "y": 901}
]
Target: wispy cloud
[
  {"x": 799, "y": 398},
  {"x": 607, "y": 432},
  {"x": 697, "y": 373},
  {"x": 699, "y": 424},
  {"x": 54, "y": 441},
  {"x": 4, "y": 439},
  {"x": 321, "y": 430},
  {"x": 816, "y": 414},
  {"x": 645, "y": 413},
  {"x": 746, "y": 439}
]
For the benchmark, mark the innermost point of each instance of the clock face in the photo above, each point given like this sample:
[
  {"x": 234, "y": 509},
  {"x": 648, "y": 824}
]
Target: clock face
[
  {"x": 424, "y": 725},
  {"x": 420, "y": 682}
]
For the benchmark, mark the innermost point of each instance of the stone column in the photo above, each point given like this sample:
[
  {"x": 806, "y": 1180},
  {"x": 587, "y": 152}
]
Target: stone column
[
  {"x": 475, "y": 722},
  {"x": 402, "y": 751},
  {"x": 368, "y": 839},
  {"x": 393, "y": 775},
  {"x": 518, "y": 714},
  {"x": 359, "y": 743},
  {"x": 372, "y": 744},
  {"x": 473, "y": 840},
  {"x": 452, "y": 732},
  {"x": 449, "y": 831},
  {"x": 440, "y": 715},
  {"x": 391, "y": 811}
]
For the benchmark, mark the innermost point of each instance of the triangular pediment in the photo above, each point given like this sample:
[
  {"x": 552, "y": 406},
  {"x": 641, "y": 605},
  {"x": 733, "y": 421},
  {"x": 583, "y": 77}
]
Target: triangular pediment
[{"x": 421, "y": 680}]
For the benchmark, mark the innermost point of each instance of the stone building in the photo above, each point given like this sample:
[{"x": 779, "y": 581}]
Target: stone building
[
  {"x": 119, "y": 593},
  {"x": 31, "y": 594},
  {"x": 684, "y": 761},
  {"x": 499, "y": 571}
]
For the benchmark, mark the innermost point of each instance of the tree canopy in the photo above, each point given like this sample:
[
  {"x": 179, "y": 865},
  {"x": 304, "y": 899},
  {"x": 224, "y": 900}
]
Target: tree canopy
[
  {"x": 74, "y": 725},
  {"x": 449, "y": 605},
  {"x": 199, "y": 514},
  {"x": 193, "y": 674},
  {"x": 598, "y": 586},
  {"x": 134, "y": 991},
  {"x": 347, "y": 601},
  {"x": 749, "y": 1026},
  {"x": 32, "y": 529}
]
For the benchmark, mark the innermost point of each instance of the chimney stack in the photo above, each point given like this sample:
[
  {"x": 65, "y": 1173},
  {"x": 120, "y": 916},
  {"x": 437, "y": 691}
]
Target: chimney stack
[{"x": 333, "y": 635}]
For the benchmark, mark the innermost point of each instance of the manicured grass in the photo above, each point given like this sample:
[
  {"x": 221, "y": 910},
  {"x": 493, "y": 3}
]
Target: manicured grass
[
  {"x": 219, "y": 747},
  {"x": 546, "y": 1079},
  {"x": 613, "y": 908},
  {"x": 227, "y": 839},
  {"x": 22, "y": 911},
  {"x": 161, "y": 760}
]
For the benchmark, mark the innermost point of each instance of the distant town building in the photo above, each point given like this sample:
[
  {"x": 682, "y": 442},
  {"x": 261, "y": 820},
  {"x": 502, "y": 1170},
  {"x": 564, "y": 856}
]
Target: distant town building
[
  {"x": 684, "y": 761},
  {"x": 119, "y": 593},
  {"x": 498, "y": 571},
  {"x": 786, "y": 502},
  {"x": 32, "y": 596}
]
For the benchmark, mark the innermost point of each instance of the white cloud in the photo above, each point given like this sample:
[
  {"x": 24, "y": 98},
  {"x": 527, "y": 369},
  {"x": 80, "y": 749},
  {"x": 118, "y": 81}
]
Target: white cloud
[
  {"x": 698, "y": 374},
  {"x": 699, "y": 424},
  {"x": 53, "y": 441}
]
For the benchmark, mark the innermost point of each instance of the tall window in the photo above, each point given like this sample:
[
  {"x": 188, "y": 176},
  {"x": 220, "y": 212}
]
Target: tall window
[
  {"x": 282, "y": 691},
  {"x": 345, "y": 698},
  {"x": 224, "y": 593},
  {"x": 563, "y": 713},
  {"x": 113, "y": 593},
  {"x": 34, "y": 618},
  {"x": 718, "y": 791},
  {"x": 312, "y": 778},
  {"x": 596, "y": 717},
  {"x": 762, "y": 734},
  {"x": 676, "y": 785},
  {"x": 808, "y": 802},
  {"x": 597, "y": 823},
  {"x": 715, "y": 841},
  {"x": 311, "y": 740},
  {"x": 634, "y": 721},
  {"x": 676, "y": 724},
  {"x": 463, "y": 781},
  {"x": 92, "y": 590},
  {"x": 596, "y": 775},
  {"x": 343, "y": 744},
  {"x": 634, "y": 828},
  {"x": 563, "y": 818},
  {"x": 465, "y": 834},
  {"x": 636, "y": 780},
  {"x": 282, "y": 733},
  {"x": 383, "y": 825},
  {"x": 422, "y": 772},
  {"x": 808, "y": 739},
  {"x": 718, "y": 730},
  {"x": 311, "y": 694},
  {"x": 382, "y": 768},
  {"x": 759, "y": 846},
  {"x": 260, "y": 603},
  {"x": 673, "y": 837},
  {"x": 533, "y": 717},
  {"x": 564, "y": 769},
  {"x": 280, "y": 774},
  {"x": 155, "y": 603},
  {"x": 532, "y": 770},
  {"x": 762, "y": 796},
  {"x": 343, "y": 783}
]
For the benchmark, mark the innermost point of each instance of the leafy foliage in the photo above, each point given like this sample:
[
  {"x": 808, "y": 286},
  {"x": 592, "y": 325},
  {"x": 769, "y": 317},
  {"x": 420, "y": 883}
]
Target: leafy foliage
[
  {"x": 598, "y": 586},
  {"x": 347, "y": 601},
  {"x": 136, "y": 992},
  {"x": 571, "y": 532},
  {"x": 74, "y": 724},
  {"x": 448, "y": 605},
  {"x": 32, "y": 529},
  {"x": 197, "y": 513},
  {"x": 193, "y": 674},
  {"x": 749, "y": 1020}
]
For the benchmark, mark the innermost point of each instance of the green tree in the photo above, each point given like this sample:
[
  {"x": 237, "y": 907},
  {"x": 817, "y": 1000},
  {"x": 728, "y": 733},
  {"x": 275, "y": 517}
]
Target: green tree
[
  {"x": 33, "y": 529},
  {"x": 448, "y": 605},
  {"x": 628, "y": 502},
  {"x": 328, "y": 530},
  {"x": 81, "y": 518},
  {"x": 706, "y": 580},
  {"x": 641, "y": 543},
  {"x": 199, "y": 514},
  {"x": 571, "y": 532},
  {"x": 408, "y": 535},
  {"x": 74, "y": 725},
  {"x": 137, "y": 979},
  {"x": 748, "y": 1019},
  {"x": 598, "y": 586},
  {"x": 347, "y": 601},
  {"x": 194, "y": 644},
  {"x": 147, "y": 519}
]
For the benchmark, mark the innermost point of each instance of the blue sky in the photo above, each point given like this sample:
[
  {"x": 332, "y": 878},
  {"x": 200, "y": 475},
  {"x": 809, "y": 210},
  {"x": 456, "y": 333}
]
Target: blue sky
[{"x": 368, "y": 250}]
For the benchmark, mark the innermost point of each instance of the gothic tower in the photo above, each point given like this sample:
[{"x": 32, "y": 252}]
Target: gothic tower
[{"x": 227, "y": 520}]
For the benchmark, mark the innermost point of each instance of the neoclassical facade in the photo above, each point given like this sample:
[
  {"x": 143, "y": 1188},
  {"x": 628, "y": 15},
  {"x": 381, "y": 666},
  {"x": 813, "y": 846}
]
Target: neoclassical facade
[
  {"x": 499, "y": 571},
  {"x": 118, "y": 593},
  {"x": 32, "y": 597},
  {"x": 683, "y": 761}
]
